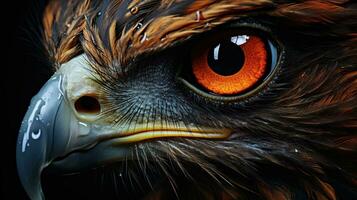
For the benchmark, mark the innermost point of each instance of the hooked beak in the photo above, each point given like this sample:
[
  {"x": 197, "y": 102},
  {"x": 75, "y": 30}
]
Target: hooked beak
[
  {"x": 36, "y": 147},
  {"x": 54, "y": 134},
  {"x": 50, "y": 130}
]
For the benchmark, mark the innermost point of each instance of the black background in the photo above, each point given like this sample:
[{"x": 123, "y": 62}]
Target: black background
[{"x": 24, "y": 71}]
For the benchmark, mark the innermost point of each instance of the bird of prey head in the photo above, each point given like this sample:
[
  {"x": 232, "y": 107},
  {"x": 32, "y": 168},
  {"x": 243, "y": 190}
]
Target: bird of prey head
[{"x": 229, "y": 99}]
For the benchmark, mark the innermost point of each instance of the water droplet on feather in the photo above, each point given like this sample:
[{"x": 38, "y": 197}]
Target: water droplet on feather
[{"x": 134, "y": 10}]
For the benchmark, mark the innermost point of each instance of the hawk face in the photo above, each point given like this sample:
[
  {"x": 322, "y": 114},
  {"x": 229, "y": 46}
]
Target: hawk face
[{"x": 234, "y": 99}]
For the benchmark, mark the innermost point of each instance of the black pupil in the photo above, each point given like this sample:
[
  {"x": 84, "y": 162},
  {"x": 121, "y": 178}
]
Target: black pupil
[{"x": 226, "y": 57}]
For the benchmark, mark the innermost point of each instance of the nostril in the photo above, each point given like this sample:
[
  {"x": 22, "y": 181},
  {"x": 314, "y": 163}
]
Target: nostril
[{"x": 87, "y": 105}]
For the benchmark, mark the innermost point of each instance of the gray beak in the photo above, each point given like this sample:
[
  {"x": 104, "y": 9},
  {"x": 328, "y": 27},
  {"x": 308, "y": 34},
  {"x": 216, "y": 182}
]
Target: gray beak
[
  {"x": 51, "y": 130},
  {"x": 35, "y": 147},
  {"x": 48, "y": 131}
]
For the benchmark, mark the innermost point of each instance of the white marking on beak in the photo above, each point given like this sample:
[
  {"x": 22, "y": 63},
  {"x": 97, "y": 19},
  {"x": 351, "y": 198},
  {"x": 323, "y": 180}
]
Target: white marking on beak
[
  {"x": 37, "y": 135},
  {"x": 26, "y": 137}
]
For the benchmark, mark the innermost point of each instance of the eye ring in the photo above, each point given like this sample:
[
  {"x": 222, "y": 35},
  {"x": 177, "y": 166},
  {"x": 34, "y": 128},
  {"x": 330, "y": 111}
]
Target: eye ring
[{"x": 276, "y": 52}]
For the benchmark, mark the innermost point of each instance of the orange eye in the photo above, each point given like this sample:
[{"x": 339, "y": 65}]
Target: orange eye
[{"x": 232, "y": 64}]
